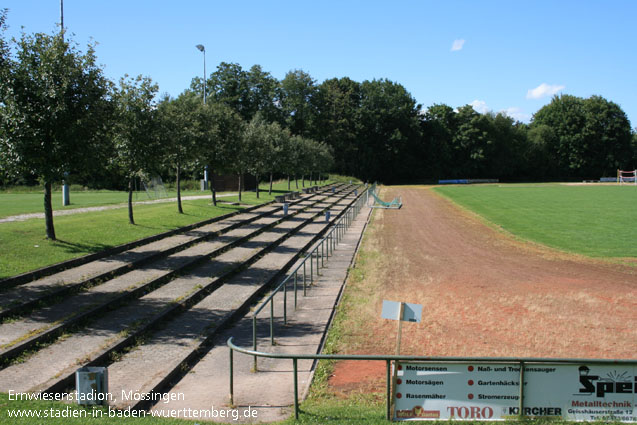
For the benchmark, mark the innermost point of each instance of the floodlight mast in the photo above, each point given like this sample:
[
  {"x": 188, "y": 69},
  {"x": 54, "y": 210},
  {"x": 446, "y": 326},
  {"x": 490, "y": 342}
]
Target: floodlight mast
[{"x": 203, "y": 49}]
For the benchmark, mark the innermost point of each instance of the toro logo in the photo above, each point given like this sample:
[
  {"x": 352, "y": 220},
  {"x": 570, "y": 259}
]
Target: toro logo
[
  {"x": 614, "y": 383},
  {"x": 470, "y": 412}
]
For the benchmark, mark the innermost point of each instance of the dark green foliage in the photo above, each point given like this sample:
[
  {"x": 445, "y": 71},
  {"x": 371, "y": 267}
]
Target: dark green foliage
[
  {"x": 138, "y": 148},
  {"x": 55, "y": 111},
  {"x": 584, "y": 137}
]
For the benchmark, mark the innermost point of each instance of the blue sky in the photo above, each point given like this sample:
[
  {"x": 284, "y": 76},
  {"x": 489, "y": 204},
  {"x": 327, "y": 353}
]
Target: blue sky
[{"x": 497, "y": 55}]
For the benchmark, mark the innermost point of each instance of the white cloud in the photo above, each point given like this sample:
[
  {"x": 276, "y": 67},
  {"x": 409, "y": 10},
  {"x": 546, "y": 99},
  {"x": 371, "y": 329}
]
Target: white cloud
[
  {"x": 480, "y": 106},
  {"x": 457, "y": 45},
  {"x": 517, "y": 114},
  {"x": 544, "y": 90}
]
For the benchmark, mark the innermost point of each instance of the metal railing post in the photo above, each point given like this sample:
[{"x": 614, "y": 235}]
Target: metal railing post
[
  {"x": 296, "y": 388},
  {"x": 521, "y": 412},
  {"x": 311, "y": 268},
  {"x": 272, "y": 321},
  {"x": 285, "y": 302},
  {"x": 231, "y": 379},
  {"x": 323, "y": 253},
  {"x": 388, "y": 391},
  {"x": 296, "y": 272},
  {"x": 254, "y": 339}
]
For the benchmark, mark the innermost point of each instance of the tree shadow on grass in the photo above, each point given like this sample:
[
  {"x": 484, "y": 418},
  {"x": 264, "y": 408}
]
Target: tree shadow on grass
[{"x": 79, "y": 248}]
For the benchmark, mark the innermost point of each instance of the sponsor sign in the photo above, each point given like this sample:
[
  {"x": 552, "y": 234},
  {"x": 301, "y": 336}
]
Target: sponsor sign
[{"x": 489, "y": 391}]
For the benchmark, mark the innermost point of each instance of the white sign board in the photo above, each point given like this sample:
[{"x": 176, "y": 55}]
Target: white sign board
[{"x": 488, "y": 391}]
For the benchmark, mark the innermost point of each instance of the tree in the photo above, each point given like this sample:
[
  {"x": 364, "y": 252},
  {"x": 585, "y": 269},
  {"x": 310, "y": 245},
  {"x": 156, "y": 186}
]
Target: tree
[
  {"x": 265, "y": 148},
  {"x": 389, "y": 129},
  {"x": 336, "y": 103},
  {"x": 178, "y": 133},
  {"x": 588, "y": 137},
  {"x": 138, "y": 148},
  {"x": 264, "y": 92},
  {"x": 55, "y": 113},
  {"x": 473, "y": 142},
  {"x": 257, "y": 145},
  {"x": 297, "y": 90},
  {"x": 280, "y": 152},
  {"x": 607, "y": 137},
  {"x": 438, "y": 125},
  {"x": 220, "y": 128},
  {"x": 293, "y": 154},
  {"x": 229, "y": 85}
]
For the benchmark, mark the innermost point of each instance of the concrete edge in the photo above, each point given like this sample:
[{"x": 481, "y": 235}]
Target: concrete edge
[{"x": 336, "y": 304}]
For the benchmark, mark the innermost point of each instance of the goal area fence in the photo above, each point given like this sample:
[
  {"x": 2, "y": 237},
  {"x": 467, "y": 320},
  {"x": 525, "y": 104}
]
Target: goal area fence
[{"x": 627, "y": 177}]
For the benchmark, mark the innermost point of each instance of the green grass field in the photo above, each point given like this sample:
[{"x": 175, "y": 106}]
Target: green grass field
[
  {"x": 596, "y": 221},
  {"x": 33, "y": 202}
]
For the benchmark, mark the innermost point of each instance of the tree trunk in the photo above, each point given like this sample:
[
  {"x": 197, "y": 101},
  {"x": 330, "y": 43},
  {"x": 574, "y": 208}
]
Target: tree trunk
[
  {"x": 303, "y": 180},
  {"x": 288, "y": 182},
  {"x": 311, "y": 179},
  {"x": 257, "y": 177},
  {"x": 319, "y": 178},
  {"x": 296, "y": 180},
  {"x": 271, "y": 176},
  {"x": 181, "y": 211},
  {"x": 130, "y": 200},
  {"x": 48, "y": 212},
  {"x": 211, "y": 182},
  {"x": 239, "y": 187}
]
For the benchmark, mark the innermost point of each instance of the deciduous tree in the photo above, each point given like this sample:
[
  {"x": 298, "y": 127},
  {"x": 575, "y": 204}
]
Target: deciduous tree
[
  {"x": 138, "y": 148},
  {"x": 55, "y": 113}
]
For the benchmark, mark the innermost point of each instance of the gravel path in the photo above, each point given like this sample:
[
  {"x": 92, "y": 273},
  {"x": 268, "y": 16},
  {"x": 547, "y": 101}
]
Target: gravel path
[{"x": 24, "y": 217}]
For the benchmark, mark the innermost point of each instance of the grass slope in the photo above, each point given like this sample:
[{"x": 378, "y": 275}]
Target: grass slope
[
  {"x": 26, "y": 203},
  {"x": 24, "y": 247},
  {"x": 597, "y": 221}
]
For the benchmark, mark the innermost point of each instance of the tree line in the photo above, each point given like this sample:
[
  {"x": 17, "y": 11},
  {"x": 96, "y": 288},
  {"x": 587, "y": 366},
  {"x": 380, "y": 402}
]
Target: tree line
[
  {"x": 60, "y": 118},
  {"x": 378, "y": 132},
  {"x": 60, "y": 115}
]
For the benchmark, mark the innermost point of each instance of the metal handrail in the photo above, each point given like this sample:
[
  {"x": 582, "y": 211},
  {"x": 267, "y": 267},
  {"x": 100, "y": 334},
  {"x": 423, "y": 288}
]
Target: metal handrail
[
  {"x": 522, "y": 361},
  {"x": 326, "y": 245}
]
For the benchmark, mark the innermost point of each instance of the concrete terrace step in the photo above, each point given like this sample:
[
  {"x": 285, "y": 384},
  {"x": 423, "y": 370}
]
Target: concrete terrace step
[
  {"x": 270, "y": 390},
  {"x": 18, "y": 300},
  {"x": 83, "y": 305},
  {"x": 118, "y": 328},
  {"x": 27, "y": 295},
  {"x": 166, "y": 353},
  {"x": 48, "y": 323}
]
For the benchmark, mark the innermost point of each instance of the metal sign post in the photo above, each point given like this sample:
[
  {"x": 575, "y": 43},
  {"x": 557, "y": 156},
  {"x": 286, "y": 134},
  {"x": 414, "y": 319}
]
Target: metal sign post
[{"x": 402, "y": 312}]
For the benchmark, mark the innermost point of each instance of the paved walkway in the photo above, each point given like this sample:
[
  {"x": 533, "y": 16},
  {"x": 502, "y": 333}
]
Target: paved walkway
[
  {"x": 268, "y": 394},
  {"x": 56, "y": 213}
]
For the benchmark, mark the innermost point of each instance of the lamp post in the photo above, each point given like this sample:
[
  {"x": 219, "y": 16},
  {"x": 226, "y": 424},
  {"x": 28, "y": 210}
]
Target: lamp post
[{"x": 203, "y": 49}]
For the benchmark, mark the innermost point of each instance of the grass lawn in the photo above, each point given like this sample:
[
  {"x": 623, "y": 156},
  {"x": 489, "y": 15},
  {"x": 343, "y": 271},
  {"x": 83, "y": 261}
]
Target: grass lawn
[
  {"x": 24, "y": 247},
  {"x": 32, "y": 202},
  {"x": 597, "y": 221}
]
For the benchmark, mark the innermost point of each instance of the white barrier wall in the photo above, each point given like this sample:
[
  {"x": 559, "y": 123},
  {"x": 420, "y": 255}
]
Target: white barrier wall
[{"x": 488, "y": 391}]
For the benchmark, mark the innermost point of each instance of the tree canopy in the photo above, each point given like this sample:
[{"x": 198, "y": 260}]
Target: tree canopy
[{"x": 55, "y": 111}]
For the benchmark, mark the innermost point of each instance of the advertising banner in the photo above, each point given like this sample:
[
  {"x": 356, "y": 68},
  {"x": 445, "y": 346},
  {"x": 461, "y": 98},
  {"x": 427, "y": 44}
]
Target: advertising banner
[{"x": 489, "y": 391}]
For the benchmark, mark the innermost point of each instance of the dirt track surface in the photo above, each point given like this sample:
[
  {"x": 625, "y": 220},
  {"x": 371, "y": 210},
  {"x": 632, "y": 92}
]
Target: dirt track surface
[{"x": 484, "y": 293}]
